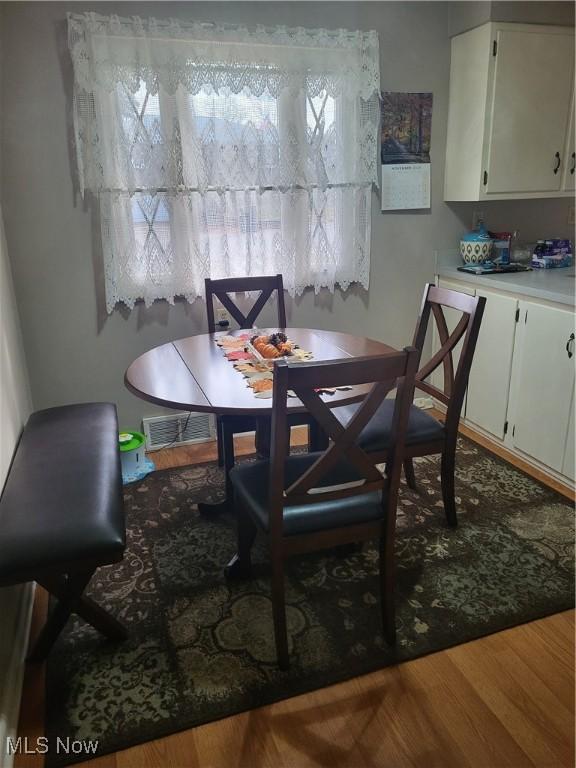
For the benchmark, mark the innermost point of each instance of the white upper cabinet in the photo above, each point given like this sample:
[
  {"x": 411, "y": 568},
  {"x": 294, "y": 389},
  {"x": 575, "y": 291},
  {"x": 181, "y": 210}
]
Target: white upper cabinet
[
  {"x": 530, "y": 111},
  {"x": 570, "y": 155},
  {"x": 510, "y": 113}
]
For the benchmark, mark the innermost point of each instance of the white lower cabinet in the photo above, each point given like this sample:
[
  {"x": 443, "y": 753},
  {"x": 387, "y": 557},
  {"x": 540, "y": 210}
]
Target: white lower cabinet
[
  {"x": 544, "y": 383},
  {"x": 522, "y": 380},
  {"x": 568, "y": 467},
  {"x": 489, "y": 383}
]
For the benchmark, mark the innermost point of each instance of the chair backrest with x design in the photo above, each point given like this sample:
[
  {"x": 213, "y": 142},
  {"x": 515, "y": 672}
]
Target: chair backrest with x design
[
  {"x": 467, "y": 328},
  {"x": 222, "y": 288},
  {"x": 383, "y": 373}
]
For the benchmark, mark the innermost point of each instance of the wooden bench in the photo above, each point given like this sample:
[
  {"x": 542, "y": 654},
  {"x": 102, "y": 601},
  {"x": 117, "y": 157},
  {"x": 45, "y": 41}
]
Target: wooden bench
[{"x": 61, "y": 512}]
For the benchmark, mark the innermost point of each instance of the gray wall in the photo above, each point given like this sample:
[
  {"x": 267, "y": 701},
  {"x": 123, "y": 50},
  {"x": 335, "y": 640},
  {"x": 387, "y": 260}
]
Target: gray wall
[
  {"x": 466, "y": 15},
  {"x": 75, "y": 351},
  {"x": 14, "y": 389},
  {"x": 550, "y": 12},
  {"x": 15, "y": 602}
]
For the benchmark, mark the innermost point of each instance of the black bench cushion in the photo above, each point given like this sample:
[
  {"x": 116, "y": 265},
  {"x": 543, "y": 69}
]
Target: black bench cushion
[
  {"x": 375, "y": 437},
  {"x": 251, "y": 481},
  {"x": 62, "y": 502}
]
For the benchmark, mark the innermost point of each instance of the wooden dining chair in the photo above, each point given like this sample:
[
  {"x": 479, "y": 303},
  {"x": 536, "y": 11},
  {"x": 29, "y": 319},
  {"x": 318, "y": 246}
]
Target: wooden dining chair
[
  {"x": 315, "y": 501},
  {"x": 426, "y": 435},
  {"x": 221, "y": 289},
  {"x": 229, "y": 425}
]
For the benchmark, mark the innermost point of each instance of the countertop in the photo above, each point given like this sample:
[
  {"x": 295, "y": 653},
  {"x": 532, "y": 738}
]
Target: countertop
[{"x": 557, "y": 285}]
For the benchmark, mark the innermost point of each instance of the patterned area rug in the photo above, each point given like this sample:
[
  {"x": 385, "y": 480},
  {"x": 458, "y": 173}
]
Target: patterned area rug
[{"x": 201, "y": 649}]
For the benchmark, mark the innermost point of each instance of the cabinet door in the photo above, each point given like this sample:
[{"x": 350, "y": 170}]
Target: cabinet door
[
  {"x": 544, "y": 383},
  {"x": 530, "y": 106},
  {"x": 489, "y": 383},
  {"x": 569, "y": 156},
  {"x": 568, "y": 467}
]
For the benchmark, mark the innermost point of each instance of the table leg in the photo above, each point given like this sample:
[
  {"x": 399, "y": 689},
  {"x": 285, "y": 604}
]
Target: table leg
[
  {"x": 209, "y": 508},
  {"x": 240, "y": 566},
  {"x": 236, "y": 570},
  {"x": 317, "y": 438},
  {"x": 262, "y": 440},
  {"x": 263, "y": 436},
  {"x": 206, "y": 508}
]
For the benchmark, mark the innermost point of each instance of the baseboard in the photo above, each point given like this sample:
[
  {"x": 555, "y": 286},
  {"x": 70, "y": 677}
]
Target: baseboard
[{"x": 16, "y": 609}]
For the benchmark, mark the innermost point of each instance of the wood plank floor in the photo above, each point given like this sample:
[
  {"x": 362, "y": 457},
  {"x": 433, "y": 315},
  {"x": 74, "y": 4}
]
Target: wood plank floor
[{"x": 506, "y": 700}]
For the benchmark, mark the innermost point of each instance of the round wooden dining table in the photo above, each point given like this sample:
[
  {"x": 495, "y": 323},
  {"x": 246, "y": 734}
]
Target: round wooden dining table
[{"x": 192, "y": 374}]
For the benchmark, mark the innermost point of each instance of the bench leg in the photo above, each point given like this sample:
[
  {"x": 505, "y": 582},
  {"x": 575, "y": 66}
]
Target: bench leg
[
  {"x": 101, "y": 619},
  {"x": 68, "y": 590}
]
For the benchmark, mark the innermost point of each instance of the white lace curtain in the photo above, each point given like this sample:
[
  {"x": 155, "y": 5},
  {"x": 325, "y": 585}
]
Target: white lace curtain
[{"x": 217, "y": 151}]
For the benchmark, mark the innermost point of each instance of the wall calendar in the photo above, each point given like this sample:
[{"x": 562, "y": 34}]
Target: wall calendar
[{"x": 405, "y": 150}]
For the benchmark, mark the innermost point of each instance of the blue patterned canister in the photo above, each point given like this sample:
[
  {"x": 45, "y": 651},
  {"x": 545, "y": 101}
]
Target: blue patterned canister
[{"x": 476, "y": 246}]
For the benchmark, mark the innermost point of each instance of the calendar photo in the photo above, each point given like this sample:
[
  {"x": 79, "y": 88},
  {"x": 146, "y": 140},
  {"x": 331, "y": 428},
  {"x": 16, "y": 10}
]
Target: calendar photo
[{"x": 406, "y": 127}]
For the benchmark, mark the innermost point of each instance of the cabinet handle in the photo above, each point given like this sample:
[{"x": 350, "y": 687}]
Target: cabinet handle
[
  {"x": 557, "y": 166},
  {"x": 573, "y": 163},
  {"x": 570, "y": 340}
]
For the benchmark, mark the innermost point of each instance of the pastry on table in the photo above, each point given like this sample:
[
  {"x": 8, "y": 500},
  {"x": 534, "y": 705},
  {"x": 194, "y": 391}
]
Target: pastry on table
[{"x": 273, "y": 346}]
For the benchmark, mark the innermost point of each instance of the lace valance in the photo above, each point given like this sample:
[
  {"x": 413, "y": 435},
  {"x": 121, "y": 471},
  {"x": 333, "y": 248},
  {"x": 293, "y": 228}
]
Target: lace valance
[{"x": 109, "y": 50}]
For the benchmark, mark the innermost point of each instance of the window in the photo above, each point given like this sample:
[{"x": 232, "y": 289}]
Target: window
[{"x": 221, "y": 152}]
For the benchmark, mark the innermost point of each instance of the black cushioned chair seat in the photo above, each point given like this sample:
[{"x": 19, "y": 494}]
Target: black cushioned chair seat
[
  {"x": 375, "y": 437},
  {"x": 62, "y": 503},
  {"x": 250, "y": 481}
]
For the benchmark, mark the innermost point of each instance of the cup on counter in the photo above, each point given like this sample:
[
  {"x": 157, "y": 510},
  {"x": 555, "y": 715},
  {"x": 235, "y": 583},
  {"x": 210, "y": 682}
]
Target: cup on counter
[{"x": 501, "y": 247}]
